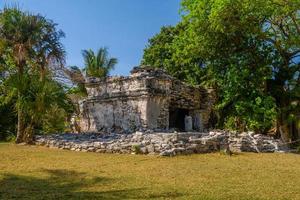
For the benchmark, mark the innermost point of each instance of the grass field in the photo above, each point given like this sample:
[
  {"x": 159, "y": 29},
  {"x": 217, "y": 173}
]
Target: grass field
[{"x": 30, "y": 172}]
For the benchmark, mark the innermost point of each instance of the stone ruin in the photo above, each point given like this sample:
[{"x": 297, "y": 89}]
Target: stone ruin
[
  {"x": 164, "y": 144},
  {"x": 148, "y": 99},
  {"x": 150, "y": 112}
]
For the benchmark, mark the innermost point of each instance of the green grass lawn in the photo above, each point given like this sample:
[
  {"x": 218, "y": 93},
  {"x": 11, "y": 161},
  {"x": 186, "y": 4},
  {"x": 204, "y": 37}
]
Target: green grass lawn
[{"x": 31, "y": 172}]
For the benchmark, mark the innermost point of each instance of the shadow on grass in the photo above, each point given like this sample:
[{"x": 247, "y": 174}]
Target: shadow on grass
[{"x": 65, "y": 184}]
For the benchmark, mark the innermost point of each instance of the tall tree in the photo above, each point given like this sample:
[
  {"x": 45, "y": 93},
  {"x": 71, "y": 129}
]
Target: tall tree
[
  {"x": 29, "y": 44},
  {"x": 98, "y": 64},
  {"x": 253, "y": 48},
  {"x": 249, "y": 52}
]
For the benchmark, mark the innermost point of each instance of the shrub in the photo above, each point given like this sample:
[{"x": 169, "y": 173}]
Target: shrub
[{"x": 136, "y": 149}]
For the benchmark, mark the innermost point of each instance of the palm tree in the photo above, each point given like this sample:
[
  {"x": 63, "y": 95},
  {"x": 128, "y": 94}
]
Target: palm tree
[
  {"x": 31, "y": 44},
  {"x": 98, "y": 65}
]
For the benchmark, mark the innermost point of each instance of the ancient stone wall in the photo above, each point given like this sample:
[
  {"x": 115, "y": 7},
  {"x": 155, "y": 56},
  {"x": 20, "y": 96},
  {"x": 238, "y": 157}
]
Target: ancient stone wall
[
  {"x": 114, "y": 114},
  {"x": 141, "y": 101}
]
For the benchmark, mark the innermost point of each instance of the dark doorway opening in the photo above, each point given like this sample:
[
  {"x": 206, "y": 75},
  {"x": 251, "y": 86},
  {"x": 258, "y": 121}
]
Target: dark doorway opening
[{"x": 176, "y": 118}]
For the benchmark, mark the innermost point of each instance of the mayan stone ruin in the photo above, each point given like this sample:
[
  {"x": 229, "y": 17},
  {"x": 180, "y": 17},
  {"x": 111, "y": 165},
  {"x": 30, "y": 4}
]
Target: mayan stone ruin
[
  {"x": 148, "y": 99},
  {"x": 150, "y": 112}
]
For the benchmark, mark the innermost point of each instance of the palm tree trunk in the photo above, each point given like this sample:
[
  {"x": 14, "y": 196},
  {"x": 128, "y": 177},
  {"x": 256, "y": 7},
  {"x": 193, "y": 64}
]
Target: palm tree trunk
[
  {"x": 20, "y": 127},
  {"x": 28, "y": 134}
]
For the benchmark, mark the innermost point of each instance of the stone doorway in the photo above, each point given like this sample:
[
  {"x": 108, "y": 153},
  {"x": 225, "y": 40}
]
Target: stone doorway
[{"x": 176, "y": 118}]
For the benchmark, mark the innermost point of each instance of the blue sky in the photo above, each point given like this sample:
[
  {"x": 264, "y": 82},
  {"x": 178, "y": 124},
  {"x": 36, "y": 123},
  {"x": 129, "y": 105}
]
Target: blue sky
[{"x": 124, "y": 26}]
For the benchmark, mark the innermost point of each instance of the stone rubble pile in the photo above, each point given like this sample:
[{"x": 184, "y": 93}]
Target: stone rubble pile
[
  {"x": 250, "y": 142},
  {"x": 164, "y": 144}
]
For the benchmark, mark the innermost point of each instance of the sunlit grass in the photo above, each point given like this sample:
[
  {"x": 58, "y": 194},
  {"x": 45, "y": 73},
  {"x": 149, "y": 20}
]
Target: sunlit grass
[{"x": 30, "y": 172}]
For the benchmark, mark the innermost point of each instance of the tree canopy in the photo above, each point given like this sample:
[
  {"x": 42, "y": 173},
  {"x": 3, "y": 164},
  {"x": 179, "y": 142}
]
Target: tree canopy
[{"x": 249, "y": 51}]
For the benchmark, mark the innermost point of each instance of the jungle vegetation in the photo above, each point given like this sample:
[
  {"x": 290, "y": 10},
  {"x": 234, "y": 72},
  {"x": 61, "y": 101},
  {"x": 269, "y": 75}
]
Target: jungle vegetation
[
  {"x": 38, "y": 93},
  {"x": 247, "y": 51}
]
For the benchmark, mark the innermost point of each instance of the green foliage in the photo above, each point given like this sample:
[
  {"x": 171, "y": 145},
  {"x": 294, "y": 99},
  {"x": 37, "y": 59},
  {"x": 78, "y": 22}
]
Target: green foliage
[
  {"x": 261, "y": 119},
  {"x": 54, "y": 120},
  {"x": 8, "y": 121},
  {"x": 161, "y": 53},
  {"x": 30, "y": 54},
  {"x": 47, "y": 105},
  {"x": 44, "y": 103},
  {"x": 248, "y": 51},
  {"x": 252, "y": 48},
  {"x": 98, "y": 65},
  {"x": 136, "y": 149},
  {"x": 244, "y": 104}
]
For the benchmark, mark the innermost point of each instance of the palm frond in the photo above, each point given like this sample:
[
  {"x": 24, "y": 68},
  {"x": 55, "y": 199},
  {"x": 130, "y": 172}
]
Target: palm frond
[
  {"x": 98, "y": 65},
  {"x": 111, "y": 64},
  {"x": 102, "y": 57}
]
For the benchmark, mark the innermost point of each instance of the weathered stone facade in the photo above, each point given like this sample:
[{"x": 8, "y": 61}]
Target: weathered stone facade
[{"x": 147, "y": 99}]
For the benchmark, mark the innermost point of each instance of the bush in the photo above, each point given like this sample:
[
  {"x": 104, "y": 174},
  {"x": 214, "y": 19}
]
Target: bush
[
  {"x": 258, "y": 114},
  {"x": 8, "y": 121},
  {"x": 54, "y": 120},
  {"x": 136, "y": 149}
]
